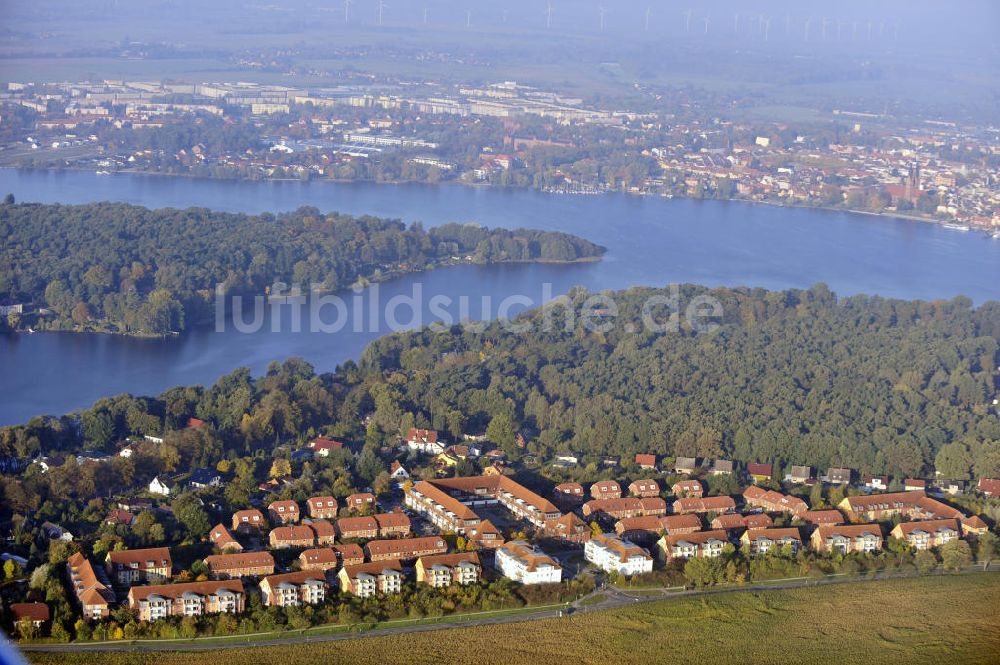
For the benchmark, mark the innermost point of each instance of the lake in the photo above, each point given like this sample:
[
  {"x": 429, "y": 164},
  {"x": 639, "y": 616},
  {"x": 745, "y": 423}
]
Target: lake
[{"x": 650, "y": 241}]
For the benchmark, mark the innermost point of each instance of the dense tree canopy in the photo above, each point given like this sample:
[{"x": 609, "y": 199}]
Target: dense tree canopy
[{"x": 128, "y": 268}]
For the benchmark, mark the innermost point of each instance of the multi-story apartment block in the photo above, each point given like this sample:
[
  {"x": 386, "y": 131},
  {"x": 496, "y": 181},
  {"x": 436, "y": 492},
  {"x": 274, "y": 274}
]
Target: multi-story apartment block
[
  {"x": 708, "y": 504},
  {"x": 690, "y": 545},
  {"x": 626, "y": 507},
  {"x": 847, "y": 538},
  {"x": 526, "y": 563},
  {"x": 93, "y": 594},
  {"x": 189, "y": 599},
  {"x": 405, "y": 548},
  {"x": 240, "y": 564},
  {"x": 446, "y": 569},
  {"x": 615, "y": 555},
  {"x": 927, "y": 534},
  {"x": 126, "y": 567},
  {"x": 763, "y": 541},
  {"x": 367, "y": 579},
  {"x": 773, "y": 502},
  {"x": 304, "y": 587}
]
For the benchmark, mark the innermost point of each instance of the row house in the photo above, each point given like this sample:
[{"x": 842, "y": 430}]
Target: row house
[
  {"x": 189, "y": 599},
  {"x": 283, "y": 512},
  {"x": 692, "y": 545},
  {"x": 405, "y": 548},
  {"x": 443, "y": 510},
  {"x": 688, "y": 488},
  {"x": 393, "y": 524},
  {"x": 361, "y": 528},
  {"x": 708, "y": 504},
  {"x": 763, "y": 541},
  {"x": 645, "y": 488},
  {"x": 361, "y": 502},
  {"x": 927, "y": 534},
  {"x": 626, "y": 507},
  {"x": 327, "y": 558},
  {"x": 303, "y": 587},
  {"x": 734, "y": 522},
  {"x": 821, "y": 517},
  {"x": 569, "y": 529},
  {"x": 912, "y": 505},
  {"x": 443, "y": 570},
  {"x": 93, "y": 594},
  {"x": 239, "y": 564},
  {"x": 526, "y": 563},
  {"x": 614, "y": 555},
  {"x": 847, "y": 539},
  {"x": 324, "y": 531},
  {"x": 248, "y": 521},
  {"x": 525, "y": 504},
  {"x": 322, "y": 507},
  {"x": 569, "y": 493},
  {"x": 127, "y": 567},
  {"x": 223, "y": 540},
  {"x": 283, "y": 537},
  {"x": 368, "y": 579},
  {"x": 773, "y": 502},
  {"x": 605, "y": 489}
]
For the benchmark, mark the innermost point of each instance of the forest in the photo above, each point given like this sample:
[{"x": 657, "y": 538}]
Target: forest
[
  {"x": 123, "y": 268},
  {"x": 793, "y": 377}
]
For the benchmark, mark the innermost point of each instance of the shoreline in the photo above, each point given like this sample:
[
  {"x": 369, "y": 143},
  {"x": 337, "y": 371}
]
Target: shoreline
[{"x": 476, "y": 185}]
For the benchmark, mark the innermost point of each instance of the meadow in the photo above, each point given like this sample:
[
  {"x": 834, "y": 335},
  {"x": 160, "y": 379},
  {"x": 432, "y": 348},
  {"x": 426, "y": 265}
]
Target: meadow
[{"x": 921, "y": 620}]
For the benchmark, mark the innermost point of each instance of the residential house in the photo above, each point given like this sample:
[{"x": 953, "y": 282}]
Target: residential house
[
  {"x": 525, "y": 563},
  {"x": 914, "y": 485},
  {"x": 360, "y": 502},
  {"x": 483, "y": 536},
  {"x": 94, "y": 595},
  {"x": 688, "y": 488},
  {"x": 760, "y": 473},
  {"x": 821, "y": 517},
  {"x": 800, "y": 475},
  {"x": 157, "y": 486},
  {"x": 239, "y": 564},
  {"x": 838, "y": 475},
  {"x": 569, "y": 493},
  {"x": 928, "y": 533},
  {"x": 614, "y": 555},
  {"x": 302, "y": 587},
  {"x": 299, "y": 535},
  {"x": 398, "y": 472},
  {"x": 644, "y": 488},
  {"x": 321, "y": 558},
  {"x": 322, "y": 446},
  {"x": 443, "y": 570},
  {"x": 974, "y": 526},
  {"x": 223, "y": 540},
  {"x": 722, "y": 467},
  {"x": 405, "y": 548},
  {"x": 645, "y": 461},
  {"x": 952, "y": 487},
  {"x": 605, "y": 489},
  {"x": 189, "y": 599},
  {"x": 322, "y": 507},
  {"x": 56, "y": 532},
  {"x": 36, "y": 613},
  {"x": 283, "y": 512},
  {"x": 151, "y": 565},
  {"x": 119, "y": 517},
  {"x": 845, "y": 539},
  {"x": 248, "y": 521},
  {"x": 649, "y": 528},
  {"x": 367, "y": 579},
  {"x": 686, "y": 465},
  {"x": 988, "y": 486},
  {"x": 324, "y": 531},
  {"x": 361, "y": 528},
  {"x": 569, "y": 528},
  {"x": 708, "y": 504},
  {"x": 762, "y": 541},
  {"x": 424, "y": 441},
  {"x": 876, "y": 483},
  {"x": 393, "y": 524},
  {"x": 773, "y": 502},
  {"x": 691, "y": 545},
  {"x": 625, "y": 507},
  {"x": 201, "y": 478}
]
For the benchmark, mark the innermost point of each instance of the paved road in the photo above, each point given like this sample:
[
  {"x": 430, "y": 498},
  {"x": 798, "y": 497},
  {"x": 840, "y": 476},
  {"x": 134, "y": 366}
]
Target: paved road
[{"x": 610, "y": 598}]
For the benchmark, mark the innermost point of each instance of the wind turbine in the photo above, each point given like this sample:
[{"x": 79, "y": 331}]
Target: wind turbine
[
  {"x": 869, "y": 30},
  {"x": 347, "y": 9},
  {"x": 601, "y": 10},
  {"x": 708, "y": 17},
  {"x": 736, "y": 24},
  {"x": 548, "y": 16},
  {"x": 854, "y": 31},
  {"x": 767, "y": 28},
  {"x": 895, "y": 32},
  {"x": 381, "y": 7},
  {"x": 687, "y": 21},
  {"x": 823, "y": 33},
  {"x": 840, "y": 27},
  {"x": 805, "y": 31},
  {"x": 788, "y": 24},
  {"x": 425, "y": 15},
  {"x": 468, "y": 18},
  {"x": 646, "y": 28}
]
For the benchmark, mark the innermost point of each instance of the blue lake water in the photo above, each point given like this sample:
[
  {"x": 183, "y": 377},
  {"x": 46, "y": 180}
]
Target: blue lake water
[{"x": 650, "y": 241}]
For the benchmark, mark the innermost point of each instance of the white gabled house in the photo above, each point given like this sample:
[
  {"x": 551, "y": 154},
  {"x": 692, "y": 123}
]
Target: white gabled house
[{"x": 157, "y": 486}]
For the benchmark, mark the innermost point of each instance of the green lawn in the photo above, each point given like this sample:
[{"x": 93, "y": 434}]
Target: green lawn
[{"x": 946, "y": 619}]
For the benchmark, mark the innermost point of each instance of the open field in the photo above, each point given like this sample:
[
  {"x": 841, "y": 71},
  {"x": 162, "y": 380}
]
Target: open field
[{"x": 923, "y": 620}]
